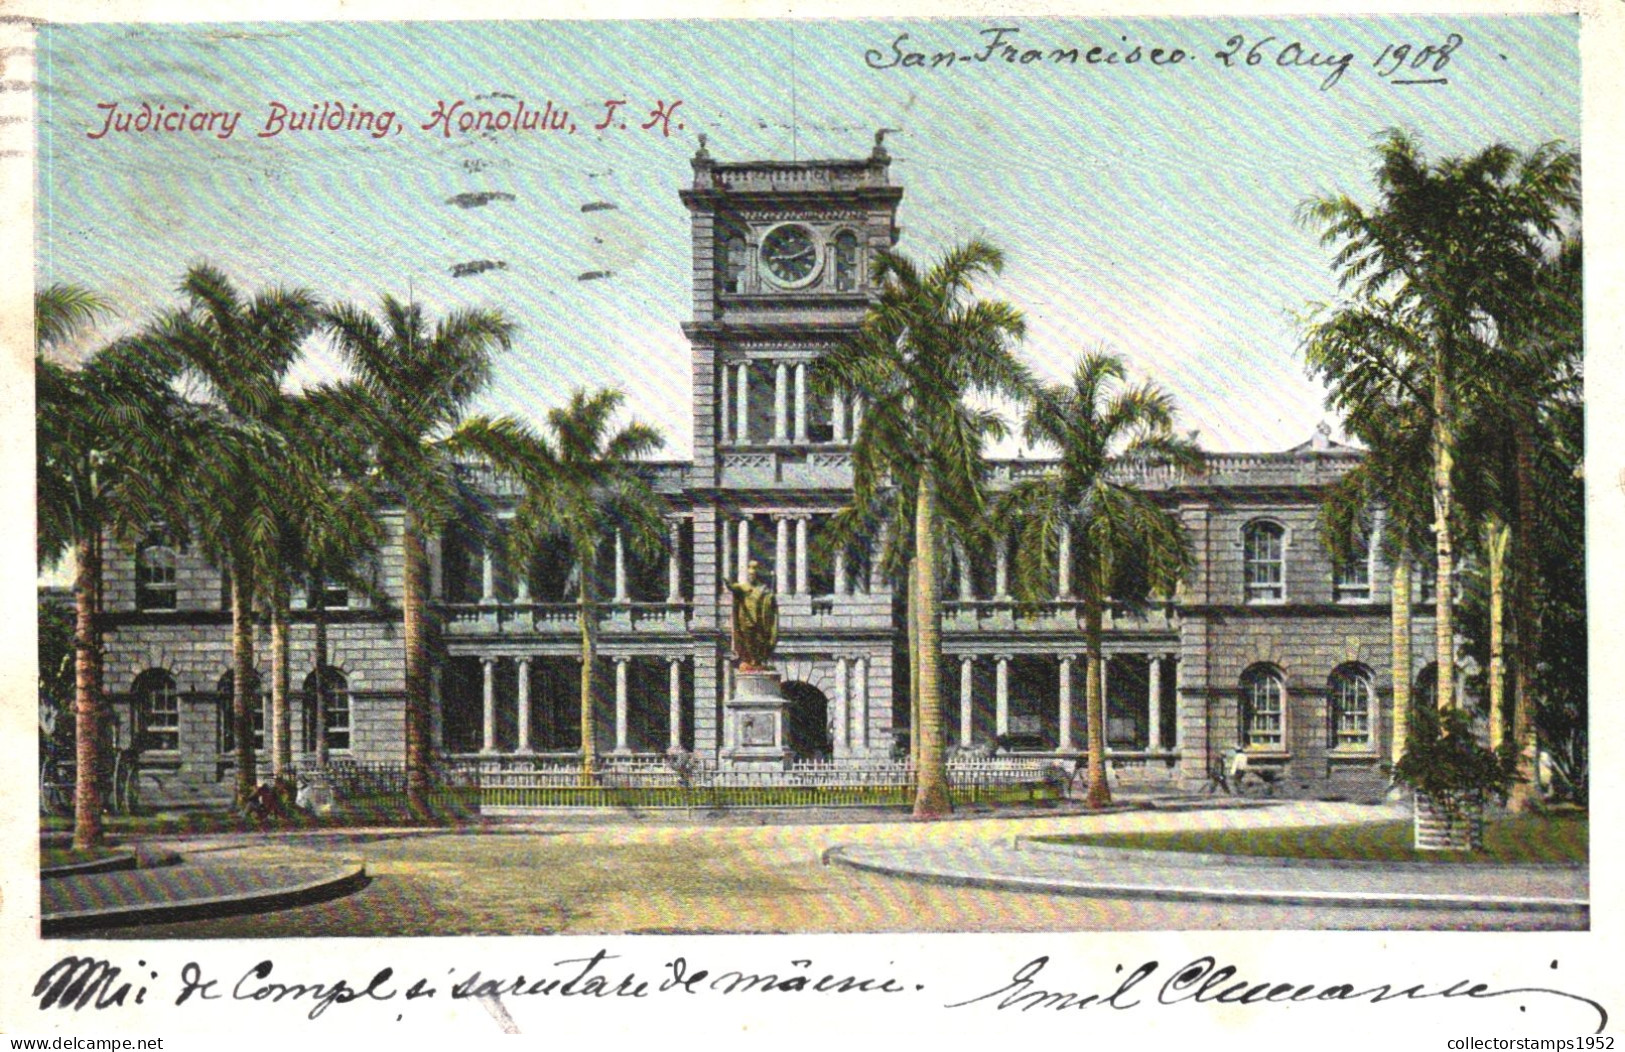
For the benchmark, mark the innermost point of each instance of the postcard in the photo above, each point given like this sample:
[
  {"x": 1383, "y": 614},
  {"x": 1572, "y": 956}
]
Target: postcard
[{"x": 757, "y": 524}]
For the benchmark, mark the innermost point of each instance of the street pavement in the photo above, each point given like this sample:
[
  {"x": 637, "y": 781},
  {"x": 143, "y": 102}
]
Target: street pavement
[{"x": 983, "y": 852}]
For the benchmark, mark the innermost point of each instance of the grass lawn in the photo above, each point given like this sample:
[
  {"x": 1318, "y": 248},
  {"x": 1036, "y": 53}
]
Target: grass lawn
[
  {"x": 62, "y": 856},
  {"x": 1557, "y": 837}
]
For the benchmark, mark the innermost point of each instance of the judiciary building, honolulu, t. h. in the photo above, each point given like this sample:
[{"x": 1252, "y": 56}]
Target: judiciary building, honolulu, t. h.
[{"x": 1269, "y": 647}]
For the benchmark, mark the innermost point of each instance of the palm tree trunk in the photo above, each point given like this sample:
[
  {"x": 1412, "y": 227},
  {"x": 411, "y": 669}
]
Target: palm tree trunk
[
  {"x": 1525, "y": 792},
  {"x": 931, "y": 795},
  {"x": 588, "y": 619},
  {"x": 912, "y": 610},
  {"x": 243, "y": 687},
  {"x": 1444, "y": 452},
  {"x": 1099, "y": 794},
  {"x": 1400, "y": 616},
  {"x": 87, "y": 702},
  {"x": 1497, "y": 537},
  {"x": 320, "y": 626},
  {"x": 281, "y": 719},
  {"x": 414, "y": 592}
]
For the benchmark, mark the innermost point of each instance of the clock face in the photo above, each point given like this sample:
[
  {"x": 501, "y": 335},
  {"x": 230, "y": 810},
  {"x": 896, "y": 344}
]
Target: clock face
[{"x": 789, "y": 255}]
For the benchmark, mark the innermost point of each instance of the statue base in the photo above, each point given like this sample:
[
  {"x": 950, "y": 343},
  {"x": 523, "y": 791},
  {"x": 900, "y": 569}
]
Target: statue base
[{"x": 755, "y": 725}]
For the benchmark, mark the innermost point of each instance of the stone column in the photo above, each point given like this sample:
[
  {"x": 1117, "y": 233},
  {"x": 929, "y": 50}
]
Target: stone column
[
  {"x": 837, "y": 416},
  {"x": 1106, "y": 699},
  {"x": 725, "y": 405},
  {"x": 874, "y": 557},
  {"x": 623, "y": 667},
  {"x": 781, "y": 398},
  {"x": 962, "y": 562},
  {"x": 801, "y": 554},
  {"x": 1154, "y": 703},
  {"x": 620, "y": 567},
  {"x": 1063, "y": 569},
  {"x": 1064, "y": 744},
  {"x": 857, "y": 414},
  {"x": 1001, "y": 695},
  {"x": 744, "y": 546},
  {"x": 742, "y": 427},
  {"x": 840, "y": 572},
  {"x": 674, "y": 712},
  {"x": 436, "y": 548},
  {"x": 967, "y": 698},
  {"x": 843, "y": 710},
  {"x": 801, "y": 402},
  {"x": 488, "y": 575},
  {"x": 725, "y": 564},
  {"x": 489, "y": 711},
  {"x": 521, "y": 585},
  {"x": 524, "y": 703},
  {"x": 1001, "y": 568},
  {"x": 781, "y": 554},
  {"x": 437, "y": 708},
  {"x": 674, "y": 566},
  {"x": 861, "y": 691}
]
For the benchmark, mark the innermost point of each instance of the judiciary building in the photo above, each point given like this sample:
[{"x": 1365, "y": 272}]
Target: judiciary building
[{"x": 1269, "y": 647}]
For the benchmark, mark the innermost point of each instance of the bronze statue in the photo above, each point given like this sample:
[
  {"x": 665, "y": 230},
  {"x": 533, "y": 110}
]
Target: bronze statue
[{"x": 755, "y": 620}]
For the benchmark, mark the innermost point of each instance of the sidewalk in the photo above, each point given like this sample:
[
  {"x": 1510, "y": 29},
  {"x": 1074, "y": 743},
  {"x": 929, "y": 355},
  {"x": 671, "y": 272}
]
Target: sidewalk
[{"x": 1027, "y": 865}]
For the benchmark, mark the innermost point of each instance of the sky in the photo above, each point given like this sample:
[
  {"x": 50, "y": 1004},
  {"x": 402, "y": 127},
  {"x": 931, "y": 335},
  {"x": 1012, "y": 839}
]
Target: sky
[{"x": 1148, "y": 209}]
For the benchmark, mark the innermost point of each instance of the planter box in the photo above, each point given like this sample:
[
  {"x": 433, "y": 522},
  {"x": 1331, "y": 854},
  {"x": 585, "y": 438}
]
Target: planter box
[{"x": 1450, "y": 823}]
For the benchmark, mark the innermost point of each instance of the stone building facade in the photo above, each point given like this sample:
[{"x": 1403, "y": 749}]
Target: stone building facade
[{"x": 1269, "y": 647}]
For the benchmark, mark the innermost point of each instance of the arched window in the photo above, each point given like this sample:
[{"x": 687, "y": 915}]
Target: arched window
[
  {"x": 846, "y": 261},
  {"x": 733, "y": 263},
  {"x": 256, "y": 709},
  {"x": 336, "y": 706},
  {"x": 1263, "y": 709},
  {"x": 1348, "y": 700},
  {"x": 1264, "y": 547},
  {"x": 1425, "y": 695},
  {"x": 158, "y": 712},
  {"x": 155, "y": 577}
]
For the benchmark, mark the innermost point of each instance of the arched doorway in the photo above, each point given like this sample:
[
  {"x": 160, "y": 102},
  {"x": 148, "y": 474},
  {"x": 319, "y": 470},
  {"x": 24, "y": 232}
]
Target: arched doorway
[{"x": 808, "y": 718}]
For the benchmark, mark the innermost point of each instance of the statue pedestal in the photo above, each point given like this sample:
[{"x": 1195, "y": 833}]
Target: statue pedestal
[{"x": 755, "y": 728}]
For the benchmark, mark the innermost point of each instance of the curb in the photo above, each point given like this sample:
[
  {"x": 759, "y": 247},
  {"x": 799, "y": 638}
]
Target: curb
[
  {"x": 1109, "y": 889},
  {"x": 124, "y": 858},
  {"x": 335, "y": 884},
  {"x": 1042, "y": 845}
]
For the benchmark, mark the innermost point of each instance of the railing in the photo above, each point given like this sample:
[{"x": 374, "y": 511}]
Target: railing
[
  {"x": 561, "y": 618},
  {"x": 1065, "y": 614},
  {"x": 655, "y": 780}
]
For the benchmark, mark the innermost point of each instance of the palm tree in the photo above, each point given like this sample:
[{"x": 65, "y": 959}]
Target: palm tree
[
  {"x": 581, "y": 486},
  {"x": 1380, "y": 388},
  {"x": 1107, "y": 433},
  {"x": 408, "y": 404},
  {"x": 99, "y": 425},
  {"x": 1448, "y": 254},
  {"x": 238, "y": 349},
  {"x": 925, "y": 345}
]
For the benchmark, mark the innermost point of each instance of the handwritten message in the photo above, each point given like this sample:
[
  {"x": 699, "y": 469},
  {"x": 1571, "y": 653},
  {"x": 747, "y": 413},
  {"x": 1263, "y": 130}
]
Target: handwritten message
[
  {"x": 1400, "y": 62},
  {"x": 75, "y": 983},
  {"x": 448, "y": 118}
]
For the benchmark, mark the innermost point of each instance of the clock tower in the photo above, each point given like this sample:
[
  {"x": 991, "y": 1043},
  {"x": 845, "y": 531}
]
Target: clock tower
[{"x": 782, "y": 253}]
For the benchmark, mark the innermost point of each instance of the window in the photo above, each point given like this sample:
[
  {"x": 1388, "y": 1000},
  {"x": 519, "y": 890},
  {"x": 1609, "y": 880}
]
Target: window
[
  {"x": 336, "y": 706},
  {"x": 256, "y": 710},
  {"x": 1348, "y": 697},
  {"x": 1425, "y": 695},
  {"x": 155, "y": 577},
  {"x": 846, "y": 261},
  {"x": 1263, "y": 544},
  {"x": 733, "y": 263},
  {"x": 1263, "y": 719},
  {"x": 1351, "y": 578},
  {"x": 332, "y": 595},
  {"x": 158, "y": 712}
]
